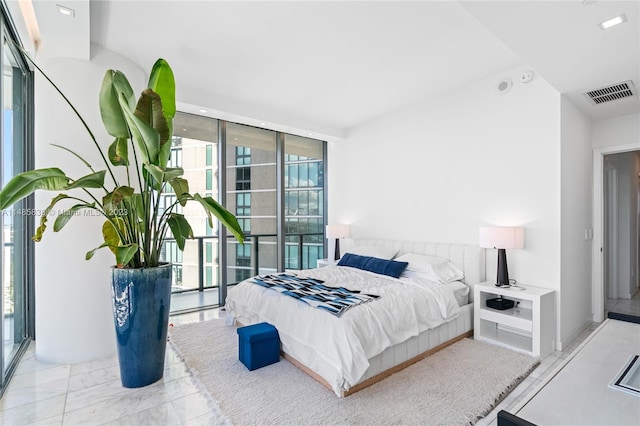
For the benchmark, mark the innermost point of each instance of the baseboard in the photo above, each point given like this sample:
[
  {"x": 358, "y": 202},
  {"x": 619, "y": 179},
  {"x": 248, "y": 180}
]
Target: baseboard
[{"x": 564, "y": 343}]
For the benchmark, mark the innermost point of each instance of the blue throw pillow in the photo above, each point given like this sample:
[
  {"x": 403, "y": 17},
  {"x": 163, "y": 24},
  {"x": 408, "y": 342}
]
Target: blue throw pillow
[{"x": 391, "y": 268}]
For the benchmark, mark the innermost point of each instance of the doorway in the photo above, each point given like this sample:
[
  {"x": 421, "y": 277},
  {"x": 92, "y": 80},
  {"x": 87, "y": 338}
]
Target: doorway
[{"x": 619, "y": 248}]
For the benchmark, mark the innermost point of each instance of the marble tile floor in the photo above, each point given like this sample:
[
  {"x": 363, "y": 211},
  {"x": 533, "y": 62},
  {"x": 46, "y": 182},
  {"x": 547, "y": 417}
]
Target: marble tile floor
[{"x": 90, "y": 393}]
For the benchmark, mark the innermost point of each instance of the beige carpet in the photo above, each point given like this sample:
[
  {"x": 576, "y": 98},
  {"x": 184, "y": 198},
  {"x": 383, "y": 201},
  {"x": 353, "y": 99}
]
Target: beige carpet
[{"x": 455, "y": 386}]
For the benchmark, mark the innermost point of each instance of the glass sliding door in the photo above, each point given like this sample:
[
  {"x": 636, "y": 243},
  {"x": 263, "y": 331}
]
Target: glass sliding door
[
  {"x": 17, "y": 221},
  {"x": 274, "y": 183},
  {"x": 304, "y": 201},
  {"x": 195, "y": 148},
  {"x": 251, "y": 196}
]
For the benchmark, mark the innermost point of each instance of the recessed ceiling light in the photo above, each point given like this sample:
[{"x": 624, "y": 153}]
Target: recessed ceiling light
[
  {"x": 66, "y": 11},
  {"x": 605, "y": 25},
  {"x": 184, "y": 130},
  {"x": 203, "y": 110},
  {"x": 310, "y": 134}
]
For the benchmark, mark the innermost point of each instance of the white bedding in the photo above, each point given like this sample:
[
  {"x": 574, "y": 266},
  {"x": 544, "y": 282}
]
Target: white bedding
[
  {"x": 460, "y": 291},
  {"x": 338, "y": 349}
]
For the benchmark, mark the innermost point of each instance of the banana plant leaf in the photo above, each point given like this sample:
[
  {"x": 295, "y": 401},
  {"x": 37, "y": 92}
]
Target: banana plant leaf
[{"x": 26, "y": 183}]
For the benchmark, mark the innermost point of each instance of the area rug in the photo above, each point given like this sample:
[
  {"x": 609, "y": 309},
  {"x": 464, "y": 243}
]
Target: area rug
[{"x": 458, "y": 385}]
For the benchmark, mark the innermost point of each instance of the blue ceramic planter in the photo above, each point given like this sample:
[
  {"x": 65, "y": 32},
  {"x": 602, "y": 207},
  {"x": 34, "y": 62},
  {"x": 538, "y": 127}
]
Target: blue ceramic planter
[{"x": 141, "y": 304}]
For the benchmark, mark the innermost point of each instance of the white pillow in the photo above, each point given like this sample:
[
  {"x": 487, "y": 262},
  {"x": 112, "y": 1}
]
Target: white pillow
[
  {"x": 437, "y": 269},
  {"x": 375, "y": 251}
]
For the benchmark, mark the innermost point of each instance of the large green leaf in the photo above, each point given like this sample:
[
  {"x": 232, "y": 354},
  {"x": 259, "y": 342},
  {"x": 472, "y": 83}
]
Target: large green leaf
[
  {"x": 173, "y": 172},
  {"x": 146, "y": 137},
  {"x": 64, "y": 218},
  {"x": 26, "y": 183},
  {"x": 110, "y": 232},
  {"x": 114, "y": 85},
  {"x": 181, "y": 189},
  {"x": 165, "y": 150},
  {"x": 37, "y": 237},
  {"x": 164, "y": 175},
  {"x": 119, "y": 152},
  {"x": 224, "y": 216},
  {"x": 93, "y": 180},
  {"x": 156, "y": 172},
  {"x": 111, "y": 201},
  {"x": 180, "y": 229},
  {"x": 149, "y": 110},
  {"x": 163, "y": 83},
  {"x": 124, "y": 254},
  {"x": 137, "y": 205},
  {"x": 90, "y": 253}
]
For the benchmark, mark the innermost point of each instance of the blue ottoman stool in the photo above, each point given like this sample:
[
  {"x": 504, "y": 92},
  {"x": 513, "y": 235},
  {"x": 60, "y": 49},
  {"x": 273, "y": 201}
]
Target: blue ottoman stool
[{"x": 258, "y": 345}]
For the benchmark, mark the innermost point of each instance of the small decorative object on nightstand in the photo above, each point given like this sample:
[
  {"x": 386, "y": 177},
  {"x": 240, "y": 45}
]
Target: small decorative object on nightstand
[
  {"x": 528, "y": 327},
  {"x": 326, "y": 262}
]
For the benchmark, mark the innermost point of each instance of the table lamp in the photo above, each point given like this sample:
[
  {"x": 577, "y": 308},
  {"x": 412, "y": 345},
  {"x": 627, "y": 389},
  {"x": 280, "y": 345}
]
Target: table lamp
[
  {"x": 502, "y": 238},
  {"x": 337, "y": 232}
]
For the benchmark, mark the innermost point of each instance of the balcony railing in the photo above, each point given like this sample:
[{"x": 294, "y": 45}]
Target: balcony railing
[{"x": 296, "y": 258}]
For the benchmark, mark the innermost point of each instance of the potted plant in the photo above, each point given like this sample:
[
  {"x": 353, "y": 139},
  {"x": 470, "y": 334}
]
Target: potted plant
[{"x": 136, "y": 224}]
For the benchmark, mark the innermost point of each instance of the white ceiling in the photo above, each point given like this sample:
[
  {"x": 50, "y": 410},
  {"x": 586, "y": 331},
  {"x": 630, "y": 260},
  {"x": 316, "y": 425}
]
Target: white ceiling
[
  {"x": 327, "y": 66},
  {"x": 562, "y": 41}
]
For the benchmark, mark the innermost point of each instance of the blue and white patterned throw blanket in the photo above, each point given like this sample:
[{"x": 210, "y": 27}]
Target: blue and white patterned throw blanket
[{"x": 335, "y": 300}]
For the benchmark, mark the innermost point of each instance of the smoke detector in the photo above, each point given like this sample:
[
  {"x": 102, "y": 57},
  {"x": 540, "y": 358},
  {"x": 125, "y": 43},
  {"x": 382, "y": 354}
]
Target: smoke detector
[
  {"x": 613, "y": 92},
  {"x": 526, "y": 76}
]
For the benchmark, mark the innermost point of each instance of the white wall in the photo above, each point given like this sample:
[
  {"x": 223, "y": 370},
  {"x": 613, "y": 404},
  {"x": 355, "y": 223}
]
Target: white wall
[
  {"x": 74, "y": 321},
  {"x": 440, "y": 169},
  {"x": 576, "y": 218},
  {"x": 616, "y": 131}
]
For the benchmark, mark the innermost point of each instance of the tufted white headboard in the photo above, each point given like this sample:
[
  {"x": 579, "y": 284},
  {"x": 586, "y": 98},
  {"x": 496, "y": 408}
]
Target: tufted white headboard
[{"x": 470, "y": 259}]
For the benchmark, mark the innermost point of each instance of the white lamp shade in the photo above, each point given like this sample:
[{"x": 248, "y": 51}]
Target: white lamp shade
[
  {"x": 337, "y": 231},
  {"x": 502, "y": 237}
]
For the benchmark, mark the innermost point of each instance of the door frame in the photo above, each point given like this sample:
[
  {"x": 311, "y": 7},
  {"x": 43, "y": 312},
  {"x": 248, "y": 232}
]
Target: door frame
[
  {"x": 597, "y": 264},
  {"x": 610, "y": 238}
]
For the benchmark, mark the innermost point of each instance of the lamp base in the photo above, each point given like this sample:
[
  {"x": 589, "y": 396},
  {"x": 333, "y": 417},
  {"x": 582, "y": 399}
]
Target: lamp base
[
  {"x": 336, "y": 252},
  {"x": 502, "y": 278}
]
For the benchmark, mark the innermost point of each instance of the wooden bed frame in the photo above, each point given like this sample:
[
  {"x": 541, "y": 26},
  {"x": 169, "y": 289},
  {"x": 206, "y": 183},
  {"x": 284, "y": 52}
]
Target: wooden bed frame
[{"x": 375, "y": 379}]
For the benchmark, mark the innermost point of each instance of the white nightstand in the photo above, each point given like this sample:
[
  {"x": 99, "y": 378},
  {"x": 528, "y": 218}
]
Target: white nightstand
[
  {"x": 326, "y": 262},
  {"x": 528, "y": 327}
]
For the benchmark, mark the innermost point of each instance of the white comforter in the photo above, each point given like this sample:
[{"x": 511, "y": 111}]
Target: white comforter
[{"x": 338, "y": 349}]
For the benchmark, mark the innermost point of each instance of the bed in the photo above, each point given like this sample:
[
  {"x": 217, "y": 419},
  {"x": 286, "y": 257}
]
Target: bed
[{"x": 412, "y": 318}]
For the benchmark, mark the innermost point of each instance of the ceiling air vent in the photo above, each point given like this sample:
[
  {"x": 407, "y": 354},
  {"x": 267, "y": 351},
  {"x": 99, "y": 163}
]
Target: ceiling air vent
[{"x": 612, "y": 93}]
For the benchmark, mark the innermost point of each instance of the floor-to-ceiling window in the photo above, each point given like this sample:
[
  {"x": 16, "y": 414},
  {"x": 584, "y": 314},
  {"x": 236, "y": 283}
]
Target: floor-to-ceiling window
[
  {"x": 16, "y": 123},
  {"x": 251, "y": 196},
  {"x": 304, "y": 201},
  {"x": 275, "y": 185}
]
